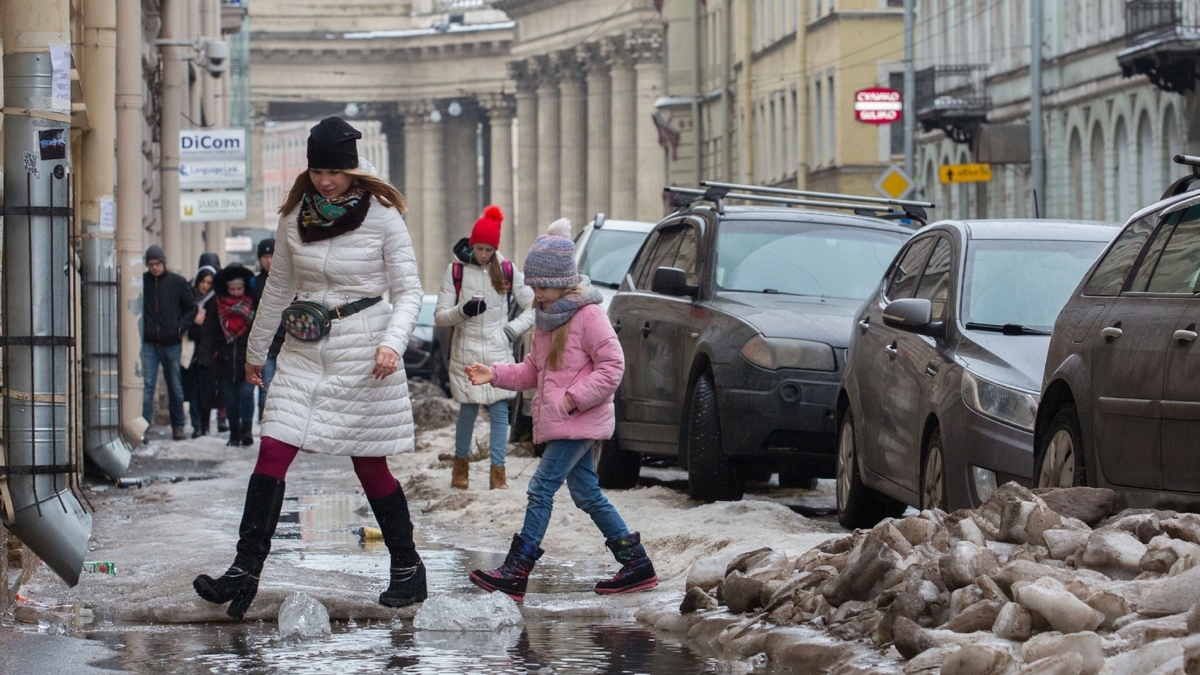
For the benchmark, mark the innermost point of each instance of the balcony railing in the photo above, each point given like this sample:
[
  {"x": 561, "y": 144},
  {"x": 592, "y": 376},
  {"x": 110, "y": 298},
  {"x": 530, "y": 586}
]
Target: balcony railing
[
  {"x": 1147, "y": 20},
  {"x": 1161, "y": 41},
  {"x": 952, "y": 98},
  {"x": 454, "y": 6}
]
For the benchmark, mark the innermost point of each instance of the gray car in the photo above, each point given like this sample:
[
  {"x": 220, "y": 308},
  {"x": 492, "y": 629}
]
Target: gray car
[
  {"x": 1121, "y": 394},
  {"x": 940, "y": 391}
]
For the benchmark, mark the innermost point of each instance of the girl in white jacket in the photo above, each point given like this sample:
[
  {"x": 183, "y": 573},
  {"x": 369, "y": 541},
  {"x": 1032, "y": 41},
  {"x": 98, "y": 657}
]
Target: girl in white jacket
[{"x": 478, "y": 290}]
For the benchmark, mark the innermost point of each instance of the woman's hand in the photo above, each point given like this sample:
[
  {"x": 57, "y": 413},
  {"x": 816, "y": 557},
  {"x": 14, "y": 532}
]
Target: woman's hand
[
  {"x": 387, "y": 361},
  {"x": 199, "y": 317},
  {"x": 479, "y": 374},
  {"x": 254, "y": 374}
]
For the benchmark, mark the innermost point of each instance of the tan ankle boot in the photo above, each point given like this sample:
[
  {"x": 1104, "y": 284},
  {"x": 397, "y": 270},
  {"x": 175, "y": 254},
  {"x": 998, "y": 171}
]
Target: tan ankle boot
[
  {"x": 458, "y": 475},
  {"x": 497, "y": 480}
]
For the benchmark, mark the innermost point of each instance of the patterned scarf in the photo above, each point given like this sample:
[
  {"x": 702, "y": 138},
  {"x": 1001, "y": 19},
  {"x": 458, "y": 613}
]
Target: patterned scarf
[
  {"x": 316, "y": 211},
  {"x": 236, "y": 315},
  {"x": 563, "y": 310}
]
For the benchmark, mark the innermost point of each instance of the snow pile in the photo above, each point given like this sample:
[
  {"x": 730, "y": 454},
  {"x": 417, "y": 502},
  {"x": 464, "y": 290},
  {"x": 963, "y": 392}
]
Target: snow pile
[
  {"x": 431, "y": 408},
  {"x": 491, "y": 612},
  {"x": 1023, "y": 584},
  {"x": 301, "y": 615}
]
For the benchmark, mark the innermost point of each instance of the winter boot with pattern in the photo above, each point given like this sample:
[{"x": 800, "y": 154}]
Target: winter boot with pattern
[
  {"x": 636, "y": 573},
  {"x": 264, "y": 500},
  {"x": 407, "y": 582},
  {"x": 512, "y": 577},
  {"x": 497, "y": 480},
  {"x": 458, "y": 474}
]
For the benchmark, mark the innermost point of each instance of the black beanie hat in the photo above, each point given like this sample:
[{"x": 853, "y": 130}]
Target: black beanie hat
[
  {"x": 331, "y": 145},
  {"x": 266, "y": 247}
]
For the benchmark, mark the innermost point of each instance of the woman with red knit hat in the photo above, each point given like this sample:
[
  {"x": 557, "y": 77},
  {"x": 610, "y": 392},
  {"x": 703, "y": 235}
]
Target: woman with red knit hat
[{"x": 477, "y": 292}]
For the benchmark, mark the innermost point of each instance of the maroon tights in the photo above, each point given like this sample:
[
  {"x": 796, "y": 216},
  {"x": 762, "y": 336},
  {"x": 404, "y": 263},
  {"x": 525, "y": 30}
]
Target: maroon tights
[{"x": 274, "y": 458}]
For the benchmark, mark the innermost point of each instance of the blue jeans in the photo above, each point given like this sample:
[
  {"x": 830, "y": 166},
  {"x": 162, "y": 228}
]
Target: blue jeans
[
  {"x": 498, "y": 413},
  {"x": 239, "y": 405},
  {"x": 568, "y": 460},
  {"x": 168, "y": 357},
  {"x": 268, "y": 374}
]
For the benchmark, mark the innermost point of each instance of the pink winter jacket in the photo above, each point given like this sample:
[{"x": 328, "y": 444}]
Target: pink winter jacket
[{"x": 591, "y": 369}]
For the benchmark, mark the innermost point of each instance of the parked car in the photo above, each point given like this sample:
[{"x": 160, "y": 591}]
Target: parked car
[
  {"x": 1120, "y": 400},
  {"x": 937, "y": 404},
  {"x": 603, "y": 251},
  {"x": 734, "y": 321},
  {"x": 423, "y": 357}
]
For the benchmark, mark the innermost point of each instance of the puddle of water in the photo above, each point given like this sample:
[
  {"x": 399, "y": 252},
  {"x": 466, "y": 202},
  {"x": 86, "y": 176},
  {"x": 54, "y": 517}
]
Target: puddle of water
[{"x": 317, "y": 533}]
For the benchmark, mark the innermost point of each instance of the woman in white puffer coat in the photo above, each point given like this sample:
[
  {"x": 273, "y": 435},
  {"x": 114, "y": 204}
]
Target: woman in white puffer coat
[
  {"x": 477, "y": 292},
  {"x": 342, "y": 243}
]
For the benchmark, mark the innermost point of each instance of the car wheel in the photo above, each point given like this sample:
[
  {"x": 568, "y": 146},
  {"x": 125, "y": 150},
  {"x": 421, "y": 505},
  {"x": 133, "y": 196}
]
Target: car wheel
[
  {"x": 711, "y": 475},
  {"x": 933, "y": 474},
  {"x": 1060, "y": 460},
  {"x": 520, "y": 424},
  {"x": 858, "y": 505},
  {"x": 439, "y": 375},
  {"x": 618, "y": 469}
]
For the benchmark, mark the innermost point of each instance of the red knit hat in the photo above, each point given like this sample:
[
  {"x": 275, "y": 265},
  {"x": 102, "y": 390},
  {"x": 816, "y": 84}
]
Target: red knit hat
[{"x": 487, "y": 228}]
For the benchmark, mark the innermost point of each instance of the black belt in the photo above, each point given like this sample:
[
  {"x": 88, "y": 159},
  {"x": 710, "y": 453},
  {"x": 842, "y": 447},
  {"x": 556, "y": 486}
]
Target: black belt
[{"x": 352, "y": 308}]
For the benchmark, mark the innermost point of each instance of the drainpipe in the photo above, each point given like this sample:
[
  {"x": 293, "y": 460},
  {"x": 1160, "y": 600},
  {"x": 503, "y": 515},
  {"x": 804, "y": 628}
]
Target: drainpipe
[
  {"x": 174, "y": 88},
  {"x": 102, "y": 418},
  {"x": 697, "y": 91},
  {"x": 129, "y": 103},
  {"x": 802, "y": 98},
  {"x": 747, "y": 105},
  {"x": 39, "y": 460}
]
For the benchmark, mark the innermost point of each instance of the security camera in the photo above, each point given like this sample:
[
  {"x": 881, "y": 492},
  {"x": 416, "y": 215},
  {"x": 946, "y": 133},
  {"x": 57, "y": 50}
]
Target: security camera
[{"x": 216, "y": 56}]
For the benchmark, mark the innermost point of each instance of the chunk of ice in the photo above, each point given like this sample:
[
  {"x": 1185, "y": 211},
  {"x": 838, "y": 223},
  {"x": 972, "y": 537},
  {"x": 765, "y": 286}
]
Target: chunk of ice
[
  {"x": 302, "y": 615},
  {"x": 469, "y": 613}
]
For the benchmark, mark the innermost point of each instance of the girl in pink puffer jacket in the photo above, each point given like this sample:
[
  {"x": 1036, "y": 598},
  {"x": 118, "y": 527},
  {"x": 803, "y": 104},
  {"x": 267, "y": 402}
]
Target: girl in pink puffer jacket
[{"x": 576, "y": 363}]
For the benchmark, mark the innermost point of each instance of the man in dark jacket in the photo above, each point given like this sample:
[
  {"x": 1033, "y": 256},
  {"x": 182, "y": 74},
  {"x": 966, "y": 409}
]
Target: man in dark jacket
[
  {"x": 266, "y": 253},
  {"x": 168, "y": 309}
]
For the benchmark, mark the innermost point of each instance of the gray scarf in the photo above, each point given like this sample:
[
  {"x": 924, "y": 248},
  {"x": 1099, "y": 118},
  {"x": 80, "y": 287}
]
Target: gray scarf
[{"x": 563, "y": 310}]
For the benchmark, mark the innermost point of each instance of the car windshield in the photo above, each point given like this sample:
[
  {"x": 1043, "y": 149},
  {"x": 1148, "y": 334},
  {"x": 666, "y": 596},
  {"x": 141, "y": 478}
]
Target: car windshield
[
  {"x": 425, "y": 318},
  {"x": 1022, "y": 283},
  {"x": 609, "y": 254},
  {"x": 813, "y": 259}
]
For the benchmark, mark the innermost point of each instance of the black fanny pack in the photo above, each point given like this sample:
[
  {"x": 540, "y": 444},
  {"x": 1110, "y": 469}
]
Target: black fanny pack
[{"x": 311, "y": 321}]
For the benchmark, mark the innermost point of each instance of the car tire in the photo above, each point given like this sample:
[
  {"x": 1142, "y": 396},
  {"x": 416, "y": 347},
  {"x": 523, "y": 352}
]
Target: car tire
[
  {"x": 1060, "y": 461},
  {"x": 520, "y": 425},
  {"x": 618, "y": 469},
  {"x": 711, "y": 475},
  {"x": 933, "y": 473},
  {"x": 794, "y": 478},
  {"x": 858, "y": 505},
  {"x": 438, "y": 372}
]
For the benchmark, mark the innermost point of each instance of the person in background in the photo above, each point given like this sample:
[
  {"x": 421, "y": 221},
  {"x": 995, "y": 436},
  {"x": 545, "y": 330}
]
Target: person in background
[
  {"x": 576, "y": 363},
  {"x": 266, "y": 254},
  {"x": 214, "y": 261},
  {"x": 228, "y": 318},
  {"x": 477, "y": 291},
  {"x": 198, "y": 384},
  {"x": 168, "y": 309}
]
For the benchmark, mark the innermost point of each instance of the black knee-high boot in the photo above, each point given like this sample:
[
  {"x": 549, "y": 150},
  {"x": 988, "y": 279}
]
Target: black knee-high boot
[
  {"x": 407, "y": 581},
  {"x": 264, "y": 500}
]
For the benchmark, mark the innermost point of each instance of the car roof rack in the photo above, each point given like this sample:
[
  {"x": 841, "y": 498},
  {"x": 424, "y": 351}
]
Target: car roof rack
[
  {"x": 1187, "y": 182},
  {"x": 876, "y": 207}
]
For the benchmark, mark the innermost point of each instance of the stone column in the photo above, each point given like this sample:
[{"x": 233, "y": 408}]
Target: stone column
[
  {"x": 646, "y": 46},
  {"x": 526, "y": 228},
  {"x": 574, "y": 141},
  {"x": 500, "y": 109},
  {"x": 623, "y": 157},
  {"x": 433, "y": 208},
  {"x": 599, "y": 132},
  {"x": 549, "y": 151}
]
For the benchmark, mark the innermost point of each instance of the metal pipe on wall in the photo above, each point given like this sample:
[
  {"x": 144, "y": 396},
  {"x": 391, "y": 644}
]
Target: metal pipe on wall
[
  {"x": 174, "y": 88},
  {"x": 40, "y": 460}
]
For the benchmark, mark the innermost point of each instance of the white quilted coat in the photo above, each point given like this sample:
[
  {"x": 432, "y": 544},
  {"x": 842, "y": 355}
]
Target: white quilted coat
[
  {"x": 324, "y": 398},
  {"x": 481, "y": 338}
]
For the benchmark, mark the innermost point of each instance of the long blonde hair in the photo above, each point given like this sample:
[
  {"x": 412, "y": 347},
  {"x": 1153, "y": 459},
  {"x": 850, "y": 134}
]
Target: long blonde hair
[
  {"x": 383, "y": 191},
  {"x": 558, "y": 339},
  {"x": 496, "y": 274}
]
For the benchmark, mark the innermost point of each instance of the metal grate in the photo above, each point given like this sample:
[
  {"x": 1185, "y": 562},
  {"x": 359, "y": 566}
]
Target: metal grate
[{"x": 951, "y": 88}]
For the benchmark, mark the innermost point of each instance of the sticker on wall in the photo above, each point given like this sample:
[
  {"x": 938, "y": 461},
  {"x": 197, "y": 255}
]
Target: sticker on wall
[
  {"x": 30, "y": 162},
  {"x": 53, "y": 144},
  {"x": 60, "y": 79}
]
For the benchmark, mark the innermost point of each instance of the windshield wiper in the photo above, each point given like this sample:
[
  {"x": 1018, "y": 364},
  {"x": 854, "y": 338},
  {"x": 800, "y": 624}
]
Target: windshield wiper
[
  {"x": 1005, "y": 328},
  {"x": 606, "y": 284}
]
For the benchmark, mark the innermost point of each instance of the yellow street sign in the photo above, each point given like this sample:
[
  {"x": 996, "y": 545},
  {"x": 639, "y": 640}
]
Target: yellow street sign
[
  {"x": 894, "y": 183},
  {"x": 965, "y": 173}
]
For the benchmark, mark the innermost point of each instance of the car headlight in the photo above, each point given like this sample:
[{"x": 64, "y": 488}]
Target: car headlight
[
  {"x": 775, "y": 353},
  {"x": 1004, "y": 404}
]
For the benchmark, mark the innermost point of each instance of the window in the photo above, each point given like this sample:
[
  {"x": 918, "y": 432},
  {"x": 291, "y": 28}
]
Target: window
[
  {"x": 935, "y": 282},
  {"x": 1110, "y": 274},
  {"x": 896, "y": 82},
  {"x": 1150, "y": 259},
  {"x": 659, "y": 252},
  {"x": 1179, "y": 265},
  {"x": 903, "y": 279},
  {"x": 689, "y": 253}
]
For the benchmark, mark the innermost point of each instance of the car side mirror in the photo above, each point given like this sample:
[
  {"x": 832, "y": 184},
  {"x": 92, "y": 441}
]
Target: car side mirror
[
  {"x": 914, "y": 315},
  {"x": 672, "y": 281}
]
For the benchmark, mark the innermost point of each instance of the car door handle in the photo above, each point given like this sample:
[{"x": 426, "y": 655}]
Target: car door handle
[
  {"x": 1184, "y": 337},
  {"x": 931, "y": 369},
  {"x": 617, "y": 326},
  {"x": 892, "y": 350},
  {"x": 864, "y": 324},
  {"x": 1111, "y": 333},
  {"x": 646, "y": 329}
]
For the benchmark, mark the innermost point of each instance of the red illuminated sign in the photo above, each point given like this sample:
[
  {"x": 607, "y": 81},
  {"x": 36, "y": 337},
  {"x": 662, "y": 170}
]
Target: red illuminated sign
[{"x": 878, "y": 105}]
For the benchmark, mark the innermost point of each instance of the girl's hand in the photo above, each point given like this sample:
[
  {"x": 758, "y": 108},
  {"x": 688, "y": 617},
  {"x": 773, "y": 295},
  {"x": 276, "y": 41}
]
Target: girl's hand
[
  {"x": 479, "y": 374},
  {"x": 387, "y": 361},
  {"x": 254, "y": 374}
]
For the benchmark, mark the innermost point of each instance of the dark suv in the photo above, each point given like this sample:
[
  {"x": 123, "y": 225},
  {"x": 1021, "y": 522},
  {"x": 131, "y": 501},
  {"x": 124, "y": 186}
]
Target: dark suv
[
  {"x": 1120, "y": 397},
  {"x": 734, "y": 323}
]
